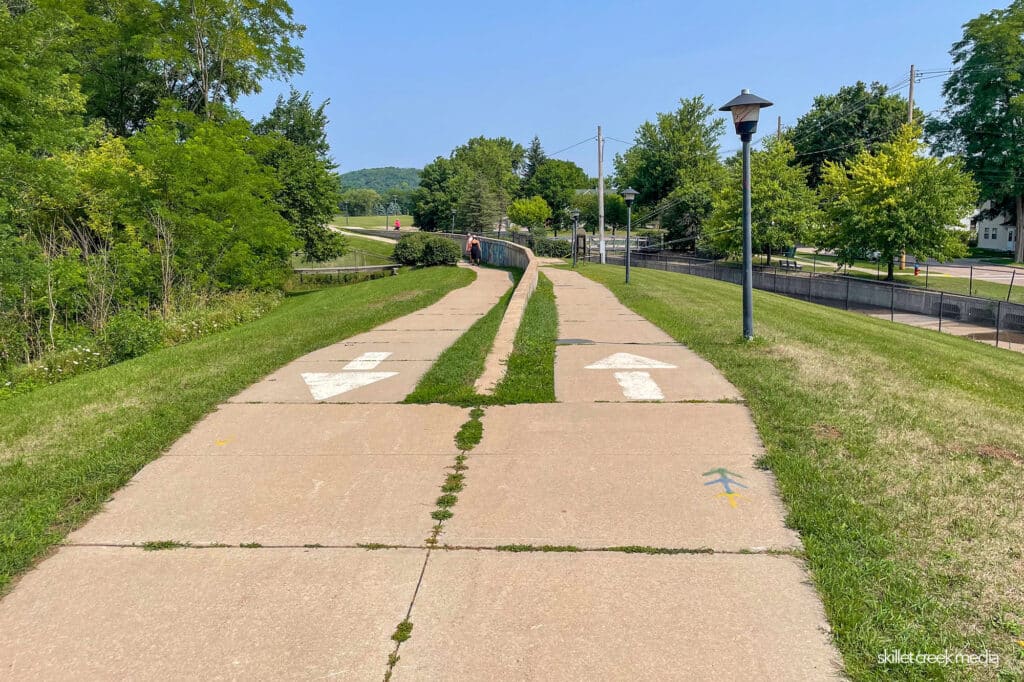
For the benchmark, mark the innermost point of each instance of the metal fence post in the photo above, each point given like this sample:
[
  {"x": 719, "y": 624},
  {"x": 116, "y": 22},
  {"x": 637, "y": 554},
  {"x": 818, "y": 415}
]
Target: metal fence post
[
  {"x": 810, "y": 278},
  {"x": 942, "y": 295},
  {"x": 999, "y": 311},
  {"x": 927, "y": 269},
  {"x": 1013, "y": 276},
  {"x": 847, "y": 293},
  {"x": 970, "y": 284},
  {"x": 892, "y": 301}
]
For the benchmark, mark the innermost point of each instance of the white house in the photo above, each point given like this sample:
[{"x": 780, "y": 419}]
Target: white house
[{"x": 997, "y": 233}]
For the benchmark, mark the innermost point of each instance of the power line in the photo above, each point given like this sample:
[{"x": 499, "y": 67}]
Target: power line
[{"x": 573, "y": 146}]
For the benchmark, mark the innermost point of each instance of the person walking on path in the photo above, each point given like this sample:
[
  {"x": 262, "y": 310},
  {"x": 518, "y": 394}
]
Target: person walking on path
[
  {"x": 473, "y": 248},
  {"x": 398, "y": 224}
]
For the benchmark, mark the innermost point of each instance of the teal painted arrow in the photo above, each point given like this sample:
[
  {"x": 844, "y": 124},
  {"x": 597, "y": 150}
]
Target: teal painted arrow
[{"x": 721, "y": 472}]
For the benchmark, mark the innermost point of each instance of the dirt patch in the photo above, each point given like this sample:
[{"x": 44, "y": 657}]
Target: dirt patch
[
  {"x": 996, "y": 452},
  {"x": 827, "y": 432}
]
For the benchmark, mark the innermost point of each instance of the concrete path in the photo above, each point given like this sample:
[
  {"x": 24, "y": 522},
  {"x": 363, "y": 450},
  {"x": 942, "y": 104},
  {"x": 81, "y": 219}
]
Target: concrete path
[{"x": 539, "y": 575}]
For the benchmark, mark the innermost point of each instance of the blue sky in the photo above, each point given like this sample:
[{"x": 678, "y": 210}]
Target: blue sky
[{"x": 408, "y": 81}]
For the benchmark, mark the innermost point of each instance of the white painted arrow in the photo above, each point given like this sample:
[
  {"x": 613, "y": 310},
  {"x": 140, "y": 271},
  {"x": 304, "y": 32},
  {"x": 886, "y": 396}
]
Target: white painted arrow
[
  {"x": 367, "y": 361},
  {"x": 629, "y": 361},
  {"x": 324, "y": 385},
  {"x": 639, "y": 386}
]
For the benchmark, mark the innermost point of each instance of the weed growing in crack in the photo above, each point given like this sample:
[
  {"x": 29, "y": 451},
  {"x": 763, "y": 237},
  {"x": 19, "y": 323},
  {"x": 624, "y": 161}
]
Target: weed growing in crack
[
  {"x": 157, "y": 545},
  {"x": 403, "y": 631}
]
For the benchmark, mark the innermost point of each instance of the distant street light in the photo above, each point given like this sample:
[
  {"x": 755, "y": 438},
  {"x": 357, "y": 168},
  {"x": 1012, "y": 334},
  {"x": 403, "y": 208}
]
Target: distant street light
[
  {"x": 746, "y": 109},
  {"x": 575, "y": 226},
  {"x": 453, "y": 221},
  {"x": 629, "y": 194}
]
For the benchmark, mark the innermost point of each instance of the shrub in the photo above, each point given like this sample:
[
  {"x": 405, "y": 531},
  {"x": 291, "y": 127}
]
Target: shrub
[
  {"x": 552, "y": 248},
  {"x": 441, "y": 251},
  {"x": 422, "y": 248},
  {"x": 129, "y": 335},
  {"x": 409, "y": 249}
]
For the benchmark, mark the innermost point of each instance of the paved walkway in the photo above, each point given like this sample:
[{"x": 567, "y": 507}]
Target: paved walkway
[{"x": 648, "y": 447}]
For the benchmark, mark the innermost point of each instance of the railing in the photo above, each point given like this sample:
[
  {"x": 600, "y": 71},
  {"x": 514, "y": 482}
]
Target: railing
[{"x": 1004, "y": 319}]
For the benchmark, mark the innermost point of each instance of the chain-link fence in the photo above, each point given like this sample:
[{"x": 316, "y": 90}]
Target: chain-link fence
[{"x": 994, "y": 321}]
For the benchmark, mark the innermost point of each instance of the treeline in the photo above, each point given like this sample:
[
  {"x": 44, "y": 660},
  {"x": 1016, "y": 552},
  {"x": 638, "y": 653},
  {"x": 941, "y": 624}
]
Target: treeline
[
  {"x": 849, "y": 176},
  {"x": 852, "y": 175},
  {"x": 130, "y": 187},
  {"x": 486, "y": 180},
  {"x": 378, "y": 191}
]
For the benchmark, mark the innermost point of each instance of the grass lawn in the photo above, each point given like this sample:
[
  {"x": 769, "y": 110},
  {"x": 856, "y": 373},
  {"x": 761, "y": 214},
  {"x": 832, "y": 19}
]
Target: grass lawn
[
  {"x": 530, "y": 377},
  {"x": 361, "y": 251},
  {"x": 373, "y": 222},
  {"x": 900, "y": 457},
  {"x": 65, "y": 448}
]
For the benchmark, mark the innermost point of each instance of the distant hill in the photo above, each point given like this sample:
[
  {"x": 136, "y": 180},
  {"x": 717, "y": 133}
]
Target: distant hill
[{"x": 381, "y": 179}]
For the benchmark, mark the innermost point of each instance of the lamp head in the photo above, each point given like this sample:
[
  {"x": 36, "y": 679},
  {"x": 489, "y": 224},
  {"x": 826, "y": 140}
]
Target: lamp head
[
  {"x": 629, "y": 194},
  {"x": 745, "y": 110}
]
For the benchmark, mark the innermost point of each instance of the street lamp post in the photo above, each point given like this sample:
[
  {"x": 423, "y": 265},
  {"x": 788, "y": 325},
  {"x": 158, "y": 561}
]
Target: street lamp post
[
  {"x": 745, "y": 110},
  {"x": 628, "y": 194},
  {"x": 453, "y": 221},
  {"x": 575, "y": 226}
]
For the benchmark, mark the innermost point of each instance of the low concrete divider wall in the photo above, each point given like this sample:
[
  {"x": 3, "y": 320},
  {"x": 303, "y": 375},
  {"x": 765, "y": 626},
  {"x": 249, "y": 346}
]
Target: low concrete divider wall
[{"x": 507, "y": 255}]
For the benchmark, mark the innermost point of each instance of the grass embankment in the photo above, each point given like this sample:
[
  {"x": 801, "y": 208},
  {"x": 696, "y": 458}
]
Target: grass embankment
[
  {"x": 899, "y": 455},
  {"x": 65, "y": 448},
  {"x": 372, "y": 222},
  {"x": 530, "y": 377},
  {"x": 361, "y": 251}
]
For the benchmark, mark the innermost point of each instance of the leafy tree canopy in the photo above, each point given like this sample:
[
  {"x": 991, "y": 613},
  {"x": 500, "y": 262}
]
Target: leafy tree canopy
[
  {"x": 896, "y": 201},
  {"x": 677, "y": 149},
  {"x": 983, "y": 121},
  {"x": 784, "y": 209},
  {"x": 839, "y": 126},
  {"x": 532, "y": 213}
]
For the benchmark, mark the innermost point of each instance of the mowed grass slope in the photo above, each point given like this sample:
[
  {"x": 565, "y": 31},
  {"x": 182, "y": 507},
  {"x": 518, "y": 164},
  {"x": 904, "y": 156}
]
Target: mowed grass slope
[
  {"x": 900, "y": 455},
  {"x": 361, "y": 251},
  {"x": 65, "y": 448}
]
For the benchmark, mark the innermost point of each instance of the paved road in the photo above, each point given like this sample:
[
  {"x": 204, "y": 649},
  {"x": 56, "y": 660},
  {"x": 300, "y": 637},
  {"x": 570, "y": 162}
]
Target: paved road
[{"x": 648, "y": 447}]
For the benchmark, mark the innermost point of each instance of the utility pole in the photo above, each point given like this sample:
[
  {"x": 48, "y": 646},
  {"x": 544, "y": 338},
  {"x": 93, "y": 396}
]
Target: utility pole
[
  {"x": 600, "y": 193},
  {"x": 910, "y": 120},
  {"x": 779, "y": 133},
  {"x": 910, "y": 103}
]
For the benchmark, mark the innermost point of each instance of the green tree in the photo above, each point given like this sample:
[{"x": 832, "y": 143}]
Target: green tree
[
  {"x": 295, "y": 118},
  {"x": 983, "y": 120},
  {"x": 556, "y": 181},
  {"x": 309, "y": 190},
  {"x": 478, "y": 206},
  {"x": 586, "y": 204},
  {"x": 784, "y": 209},
  {"x": 896, "y": 201},
  {"x": 214, "y": 51},
  {"x": 534, "y": 158},
  {"x": 531, "y": 213},
  {"x": 839, "y": 126},
  {"x": 435, "y": 198},
  {"x": 210, "y": 205},
  {"x": 678, "y": 149},
  {"x": 359, "y": 201},
  {"x": 114, "y": 42},
  {"x": 496, "y": 161}
]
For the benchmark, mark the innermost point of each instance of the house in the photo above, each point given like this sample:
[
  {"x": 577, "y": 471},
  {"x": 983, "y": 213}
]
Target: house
[{"x": 998, "y": 233}]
